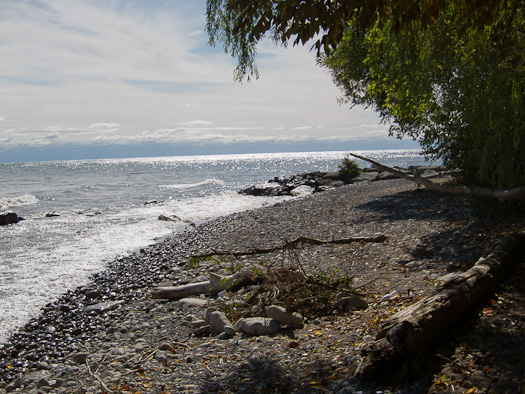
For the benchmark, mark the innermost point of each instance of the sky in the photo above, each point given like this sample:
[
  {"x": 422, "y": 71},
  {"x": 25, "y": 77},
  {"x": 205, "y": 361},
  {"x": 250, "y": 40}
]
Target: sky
[{"x": 123, "y": 78}]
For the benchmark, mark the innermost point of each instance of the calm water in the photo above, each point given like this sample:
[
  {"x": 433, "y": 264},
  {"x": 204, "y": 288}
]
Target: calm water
[{"x": 108, "y": 208}]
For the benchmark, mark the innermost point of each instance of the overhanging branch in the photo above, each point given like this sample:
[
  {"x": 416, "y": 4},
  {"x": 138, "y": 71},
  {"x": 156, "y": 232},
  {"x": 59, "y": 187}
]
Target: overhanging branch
[{"x": 511, "y": 194}]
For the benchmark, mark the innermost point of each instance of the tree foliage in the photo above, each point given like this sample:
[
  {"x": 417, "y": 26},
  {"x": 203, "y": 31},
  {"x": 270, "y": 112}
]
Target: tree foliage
[
  {"x": 448, "y": 73},
  {"x": 458, "y": 89},
  {"x": 241, "y": 24}
]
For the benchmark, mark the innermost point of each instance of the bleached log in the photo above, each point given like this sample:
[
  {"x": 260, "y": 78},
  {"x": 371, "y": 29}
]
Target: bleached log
[
  {"x": 412, "y": 331},
  {"x": 511, "y": 194},
  {"x": 216, "y": 284}
]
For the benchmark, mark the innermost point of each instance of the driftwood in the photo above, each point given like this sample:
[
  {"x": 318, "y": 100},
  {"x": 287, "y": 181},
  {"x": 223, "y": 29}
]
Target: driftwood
[
  {"x": 510, "y": 194},
  {"x": 215, "y": 285},
  {"x": 290, "y": 244},
  {"x": 412, "y": 331}
]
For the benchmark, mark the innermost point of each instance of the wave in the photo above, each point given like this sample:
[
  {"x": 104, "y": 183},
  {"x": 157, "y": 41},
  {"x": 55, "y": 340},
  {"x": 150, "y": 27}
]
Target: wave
[
  {"x": 193, "y": 185},
  {"x": 24, "y": 199}
]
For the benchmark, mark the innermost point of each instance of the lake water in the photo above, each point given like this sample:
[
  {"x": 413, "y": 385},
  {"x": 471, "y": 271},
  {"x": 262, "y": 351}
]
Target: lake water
[{"x": 104, "y": 209}]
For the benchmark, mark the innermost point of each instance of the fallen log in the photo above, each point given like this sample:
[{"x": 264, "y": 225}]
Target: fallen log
[
  {"x": 411, "y": 332},
  {"x": 291, "y": 244},
  {"x": 511, "y": 194},
  {"x": 215, "y": 285}
]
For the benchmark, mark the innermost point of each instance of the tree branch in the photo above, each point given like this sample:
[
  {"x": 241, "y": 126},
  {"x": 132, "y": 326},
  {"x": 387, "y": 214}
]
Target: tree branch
[
  {"x": 290, "y": 244},
  {"x": 511, "y": 194}
]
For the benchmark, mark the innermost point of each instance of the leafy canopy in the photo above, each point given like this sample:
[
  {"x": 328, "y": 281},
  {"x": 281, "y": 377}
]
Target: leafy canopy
[
  {"x": 458, "y": 89},
  {"x": 241, "y": 24}
]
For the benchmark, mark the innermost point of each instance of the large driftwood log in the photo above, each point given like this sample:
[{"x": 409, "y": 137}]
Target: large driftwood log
[
  {"x": 215, "y": 285},
  {"x": 511, "y": 194},
  {"x": 412, "y": 331},
  {"x": 291, "y": 244}
]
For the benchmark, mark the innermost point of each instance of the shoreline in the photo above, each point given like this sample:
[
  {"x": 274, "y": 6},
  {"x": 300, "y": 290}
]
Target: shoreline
[{"x": 132, "y": 341}]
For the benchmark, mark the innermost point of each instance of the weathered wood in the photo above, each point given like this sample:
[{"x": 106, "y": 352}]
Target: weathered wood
[
  {"x": 412, "y": 331},
  {"x": 215, "y": 285},
  {"x": 290, "y": 244},
  {"x": 511, "y": 194}
]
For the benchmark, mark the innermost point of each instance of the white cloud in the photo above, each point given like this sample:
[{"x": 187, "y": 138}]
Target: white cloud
[
  {"x": 102, "y": 125},
  {"x": 194, "y": 123}
]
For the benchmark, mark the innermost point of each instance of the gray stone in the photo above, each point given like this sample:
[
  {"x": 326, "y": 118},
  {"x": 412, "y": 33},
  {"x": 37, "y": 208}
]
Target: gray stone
[
  {"x": 197, "y": 323},
  {"x": 385, "y": 175},
  {"x": 302, "y": 190},
  {"x": 42, "y": 382},
  {"x": 203, "y": 330},
  {"x": 165, "y": 346},
  {"x": 350, "y": 302},
  {"x": 172, "y": 218},
  {"x": 257, "y": 326},
  {"x": 223, "y": 336},
  {"x": 80, "y": 358},
  {"x": 230, "y": 330},
  {"x": 218, "y": 320},
  {"x": 430, "y": 174},
  {"x": 190, "y": 302},
  {"x": 292, "y": 319},
  {"x": 367, "y": 177},
  {"x": 103, "y": 307}
]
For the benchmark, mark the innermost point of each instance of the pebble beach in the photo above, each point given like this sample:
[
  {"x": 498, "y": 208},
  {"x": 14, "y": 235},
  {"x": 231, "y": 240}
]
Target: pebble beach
[{"x": 111, "y": 336}]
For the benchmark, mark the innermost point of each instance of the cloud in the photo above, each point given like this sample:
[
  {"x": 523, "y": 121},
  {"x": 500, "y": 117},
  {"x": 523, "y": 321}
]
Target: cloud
[
  {"x": 103, "y": 125},
  {"x": 195, "y": 123},
  {"x": 135, "y": 71}
]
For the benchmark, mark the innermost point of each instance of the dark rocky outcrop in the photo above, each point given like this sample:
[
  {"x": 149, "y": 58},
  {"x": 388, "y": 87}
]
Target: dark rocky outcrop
[
  {"x": 314, "y": 182},
  {"x": 7, "y": 218}
]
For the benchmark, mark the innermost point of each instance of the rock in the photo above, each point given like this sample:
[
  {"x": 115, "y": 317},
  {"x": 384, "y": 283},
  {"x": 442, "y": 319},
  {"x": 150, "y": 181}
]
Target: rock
[
  {"x": 7, "y": 218},
  {"x": 430, "y": 174},
  {"x": 230, "y": 330},
  {"x": 172, "y": 218},
  {"x": 369, "y": 176},
  {"x": 349, "y": 302},
  {"x": 257, "y": 326},
  {"x": 302, "y": 190},
  {"x": 223, "y": 336},
  {"x": 189, "y": 302},
  {"x": 42, "y": 382},
  {"x": 203, "y": 330},
  {"x": 80, "y": 358},
  {"x": 197, "y": 323},
  {"x": 292, "y": 319},
  {"x": 385, "y": 175},
  {"x": 165, "y": 346},
  {"x": 103, "y": 307},
  {"x": 52, "y": 215},
  {"x": 218, "y": 320}
]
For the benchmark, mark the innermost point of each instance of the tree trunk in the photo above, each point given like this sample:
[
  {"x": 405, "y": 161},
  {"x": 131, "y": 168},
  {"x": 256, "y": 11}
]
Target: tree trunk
[
  {"x": 511, "y": 194},
  {"x": 412, "y": 331}
]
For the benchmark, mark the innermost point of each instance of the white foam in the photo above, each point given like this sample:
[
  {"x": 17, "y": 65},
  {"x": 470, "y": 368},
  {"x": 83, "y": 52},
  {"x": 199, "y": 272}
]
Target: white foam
[
  {"x": 24, "y": 199},
  {"x": 210, "y": 207},
  {"x": 194, "y": 185}
]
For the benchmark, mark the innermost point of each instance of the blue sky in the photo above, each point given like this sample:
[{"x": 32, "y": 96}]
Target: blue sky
[{"x": 114, "y": 78}]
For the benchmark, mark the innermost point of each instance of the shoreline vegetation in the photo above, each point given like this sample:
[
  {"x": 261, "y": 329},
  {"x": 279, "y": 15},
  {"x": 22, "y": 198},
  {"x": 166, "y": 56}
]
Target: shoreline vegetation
[{"x": 111, "y": 336}]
